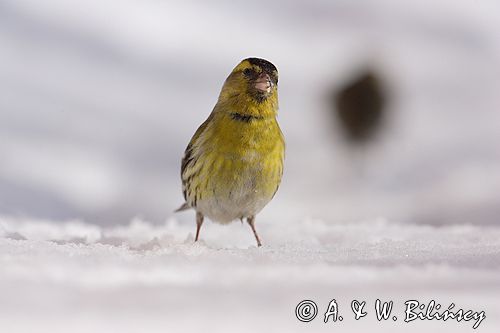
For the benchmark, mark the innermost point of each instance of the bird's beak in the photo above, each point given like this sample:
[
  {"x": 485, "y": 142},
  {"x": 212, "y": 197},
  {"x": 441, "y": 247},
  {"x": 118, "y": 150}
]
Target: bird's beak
[{"x": 264, "y": 83}]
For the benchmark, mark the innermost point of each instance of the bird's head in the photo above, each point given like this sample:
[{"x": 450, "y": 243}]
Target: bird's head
[{"x": 253, "y": 78}]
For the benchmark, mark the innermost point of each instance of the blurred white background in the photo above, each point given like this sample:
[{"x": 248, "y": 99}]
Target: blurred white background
[{"x": 99, "y": 99}]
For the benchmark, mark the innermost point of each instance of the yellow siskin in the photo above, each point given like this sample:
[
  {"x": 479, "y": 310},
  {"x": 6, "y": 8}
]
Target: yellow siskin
[{"x": 233, "y": 165}]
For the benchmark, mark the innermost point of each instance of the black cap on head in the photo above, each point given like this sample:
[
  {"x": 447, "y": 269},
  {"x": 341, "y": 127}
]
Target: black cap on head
[{"x": 266, "y": 66}]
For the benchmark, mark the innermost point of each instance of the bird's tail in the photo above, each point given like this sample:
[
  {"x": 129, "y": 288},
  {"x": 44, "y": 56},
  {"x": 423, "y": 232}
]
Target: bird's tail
[{"x": 184, "y": 206}]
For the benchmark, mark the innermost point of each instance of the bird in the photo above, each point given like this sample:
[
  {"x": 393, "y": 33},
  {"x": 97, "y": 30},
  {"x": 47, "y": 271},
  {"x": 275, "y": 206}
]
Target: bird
[{"x": 233, "y": 165}]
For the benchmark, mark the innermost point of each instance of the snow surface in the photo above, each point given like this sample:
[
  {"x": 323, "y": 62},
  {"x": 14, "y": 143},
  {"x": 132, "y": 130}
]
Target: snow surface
[{"x": 77, "y": 277}]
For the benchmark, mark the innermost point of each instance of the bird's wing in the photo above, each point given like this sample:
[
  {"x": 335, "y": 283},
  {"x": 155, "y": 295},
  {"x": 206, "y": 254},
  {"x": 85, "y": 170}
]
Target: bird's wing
[{"x": 189, "y": 158}]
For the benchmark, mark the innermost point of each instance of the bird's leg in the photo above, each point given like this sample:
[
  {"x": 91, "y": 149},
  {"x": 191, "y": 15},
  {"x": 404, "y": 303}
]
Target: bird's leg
[
  {"x": 199, "y": 222},
  {"x": 251, "y": 222}
]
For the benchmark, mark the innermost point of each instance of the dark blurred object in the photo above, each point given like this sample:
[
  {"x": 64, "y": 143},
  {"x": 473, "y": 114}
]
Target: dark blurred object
[{"x": 360, "y": 107}]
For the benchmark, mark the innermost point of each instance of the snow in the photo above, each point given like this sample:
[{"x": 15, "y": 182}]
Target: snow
[{"x": 73, "y": 276}]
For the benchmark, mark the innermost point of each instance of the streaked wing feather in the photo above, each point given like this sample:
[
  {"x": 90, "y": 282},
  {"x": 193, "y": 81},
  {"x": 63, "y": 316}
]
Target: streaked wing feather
[{"x": 189, "y": 154}]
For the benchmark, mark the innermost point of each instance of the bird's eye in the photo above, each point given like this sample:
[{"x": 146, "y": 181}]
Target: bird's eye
[{"x": 249, "y": 73}]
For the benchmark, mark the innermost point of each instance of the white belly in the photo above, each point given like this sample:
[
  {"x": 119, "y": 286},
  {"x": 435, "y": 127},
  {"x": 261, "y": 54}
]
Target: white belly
[{"x": 237, "y": 205}]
